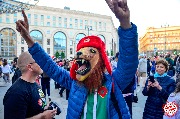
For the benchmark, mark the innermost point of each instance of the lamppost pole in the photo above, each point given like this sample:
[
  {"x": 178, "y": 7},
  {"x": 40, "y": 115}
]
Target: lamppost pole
[
  {"x": 88, "y": 28},
  {"x": 165, "y": 40}
]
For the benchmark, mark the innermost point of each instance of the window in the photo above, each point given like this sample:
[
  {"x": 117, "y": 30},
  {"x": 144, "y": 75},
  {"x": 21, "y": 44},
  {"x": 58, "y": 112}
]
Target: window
[
  {"x": 90, "y": 21},
  {"x": 48, "y": 17},
  {"x": 70, "y": 19},
  {"x": 59, "y": 25},
  {"x": 71, "y": 51},
  {"x": 95, "y": 25},
  {"x": 65, "y": 22},
  {"x": 8, "y": 42},
  {"x": 76, "y": 21},
  {"x": 29, "y": 15},
  {"x": 15, "y": 20},
  {"x": 65, "y": 19},
  {"x": 100, "y": 25},
  {"x": 65, "y": 25},
  {"x": 60, "y": 41},
  {"x": 37, "y": 36},
  {"x": 81, "y": 27},
  {"x": 42, "y": 23},
  {"x": 60, "y": 19},
  {"x": 70, "y": 26},
  {"x": 42, "y": 17},
  {"x": 22, "y": 40},
  {"x": 15, "y": 14},
  {"x": 48, "y": 50},
  {"x": 86, "y": 22},
  {"x": 7, "y": 20},
  {"x": 35, "y": 23},
  {"x": 35, "y": 16},
  {"x": 2, "y": 42},
  {"x": 54, "y": 24},
  {"x": 48, "y": 41},
  {"x": 22, "y": 49},
  {"x": 48, "y": 32},
  {"x": 79, "y": 36},
  {"x": 54, "y": 18},
  {"x": 48, "y": 23}
]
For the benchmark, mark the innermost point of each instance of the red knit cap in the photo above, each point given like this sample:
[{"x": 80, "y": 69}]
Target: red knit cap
[{"x": 96, "y": 42}]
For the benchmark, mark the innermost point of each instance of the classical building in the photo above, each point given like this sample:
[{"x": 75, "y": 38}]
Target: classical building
[
  {"x": 57, "y": 30},
  {"x": 160, "y": 40}
]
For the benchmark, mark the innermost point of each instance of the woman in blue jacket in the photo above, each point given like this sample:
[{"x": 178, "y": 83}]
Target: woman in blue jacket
[
  {"x": 96, "y": 91},
  {"x": 158, "y": 91}
]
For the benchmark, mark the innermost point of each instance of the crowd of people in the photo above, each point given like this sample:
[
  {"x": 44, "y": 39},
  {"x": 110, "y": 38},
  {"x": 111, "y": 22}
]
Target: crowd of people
[{"x": 96, "y": 88}]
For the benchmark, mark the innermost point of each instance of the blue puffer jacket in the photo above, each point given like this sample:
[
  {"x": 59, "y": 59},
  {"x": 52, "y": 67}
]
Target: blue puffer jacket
[
  {"x": 126, "y": 68},
  {"x": 154, "y": 103}
]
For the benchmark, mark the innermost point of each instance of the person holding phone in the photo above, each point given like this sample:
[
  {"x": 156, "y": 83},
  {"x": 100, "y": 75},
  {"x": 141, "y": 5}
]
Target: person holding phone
[{"x": 158, "y": 87}]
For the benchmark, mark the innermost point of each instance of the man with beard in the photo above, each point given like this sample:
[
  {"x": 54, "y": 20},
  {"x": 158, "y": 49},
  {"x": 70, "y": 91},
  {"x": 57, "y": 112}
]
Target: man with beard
[{"x": 96, "y": 91}]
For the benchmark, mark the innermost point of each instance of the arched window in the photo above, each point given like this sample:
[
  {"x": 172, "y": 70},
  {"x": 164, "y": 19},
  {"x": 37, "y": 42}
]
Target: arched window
[
  {"x": 8, "y": 42},
  {"x": 37, "y": 36},
  {"x": 79, "y": 37},
  {"x": 102, "y": 38},
  {"x": 60, "y": 44}
]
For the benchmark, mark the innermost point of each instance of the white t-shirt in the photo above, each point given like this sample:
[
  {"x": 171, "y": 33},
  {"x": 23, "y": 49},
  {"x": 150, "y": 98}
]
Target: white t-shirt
[{"x": 6, "y": 69}]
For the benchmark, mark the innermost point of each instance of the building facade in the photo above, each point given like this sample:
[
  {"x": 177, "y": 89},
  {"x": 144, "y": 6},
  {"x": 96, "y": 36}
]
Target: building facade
[
  {"x": 162, "y": 40},
  {"x": 56, "y": 30}
]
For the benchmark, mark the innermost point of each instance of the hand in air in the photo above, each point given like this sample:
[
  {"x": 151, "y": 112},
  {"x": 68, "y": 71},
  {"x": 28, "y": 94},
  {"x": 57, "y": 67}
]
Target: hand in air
[
  {"x": 22, "y": 26},
  {"x": 121, "y": 11}
]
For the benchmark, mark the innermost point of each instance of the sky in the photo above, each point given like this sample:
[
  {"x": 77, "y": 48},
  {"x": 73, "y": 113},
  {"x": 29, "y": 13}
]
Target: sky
[{"x": 144, "y": 13}]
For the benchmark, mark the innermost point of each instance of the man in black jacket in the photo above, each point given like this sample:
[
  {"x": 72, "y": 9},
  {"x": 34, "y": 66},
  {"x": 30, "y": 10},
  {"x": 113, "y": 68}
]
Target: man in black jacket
[{"x": 17, "y": 72}]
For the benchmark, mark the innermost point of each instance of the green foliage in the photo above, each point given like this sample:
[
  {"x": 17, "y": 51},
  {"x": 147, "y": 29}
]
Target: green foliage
[
  {"x": 62, "y": 55},
  {"x": 57, "y": 54},
  {"x": 112, "y": 53},
  {"x": 175, "y": 52},
  {"x": 156, "y": 53}
]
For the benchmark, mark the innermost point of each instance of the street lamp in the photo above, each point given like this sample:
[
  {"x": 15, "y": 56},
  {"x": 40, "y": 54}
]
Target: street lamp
[
  {"x": 88, "y": 28},
  {"x": 165, "y": 26}
]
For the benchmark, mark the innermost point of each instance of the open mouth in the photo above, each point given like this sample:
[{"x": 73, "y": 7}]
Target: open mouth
[{"x": 83, "y": 66}]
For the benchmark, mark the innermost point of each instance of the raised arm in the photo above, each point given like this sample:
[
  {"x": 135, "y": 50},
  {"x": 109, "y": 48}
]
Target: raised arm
[
  {"x": 41, "y": 57},
  {"x": 128, "y": 45},
  {"x": 121, "y": 11}
]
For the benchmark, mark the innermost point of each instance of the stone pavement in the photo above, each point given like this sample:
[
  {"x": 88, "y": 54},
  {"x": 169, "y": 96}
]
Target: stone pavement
[{"x": 62, "y": 102}]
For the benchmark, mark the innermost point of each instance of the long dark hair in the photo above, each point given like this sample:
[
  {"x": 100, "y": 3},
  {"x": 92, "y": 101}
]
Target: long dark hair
[{"x": 5, "y": 62}]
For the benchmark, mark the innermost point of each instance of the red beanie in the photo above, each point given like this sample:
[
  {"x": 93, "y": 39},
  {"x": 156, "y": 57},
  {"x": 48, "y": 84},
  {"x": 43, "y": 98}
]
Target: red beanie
[{"x": 96, "y": 42}]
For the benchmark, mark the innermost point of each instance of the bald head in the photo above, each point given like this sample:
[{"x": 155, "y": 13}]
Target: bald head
[{"x": 24, "y": 59}]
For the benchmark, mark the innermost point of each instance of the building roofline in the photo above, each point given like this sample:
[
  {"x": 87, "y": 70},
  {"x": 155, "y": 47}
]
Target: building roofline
[{"x": 71, "y": 11}]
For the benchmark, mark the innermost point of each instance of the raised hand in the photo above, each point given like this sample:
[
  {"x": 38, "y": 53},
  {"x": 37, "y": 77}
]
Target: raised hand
[
  {"x": 23, "y": 28},
  {"x": 121, "y": 11}
]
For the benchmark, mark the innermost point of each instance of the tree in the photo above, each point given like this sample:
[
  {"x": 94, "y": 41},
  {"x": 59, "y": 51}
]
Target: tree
[
  {"x": 175, "y": 51},
  {"x": 62, "y": 55},
  {"x": 57, "y": 54},
  {"x": 112, "y": 53}
]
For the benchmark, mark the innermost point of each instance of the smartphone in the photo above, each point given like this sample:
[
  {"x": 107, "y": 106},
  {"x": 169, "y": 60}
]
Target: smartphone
[{"x": 151, "y": 78}]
